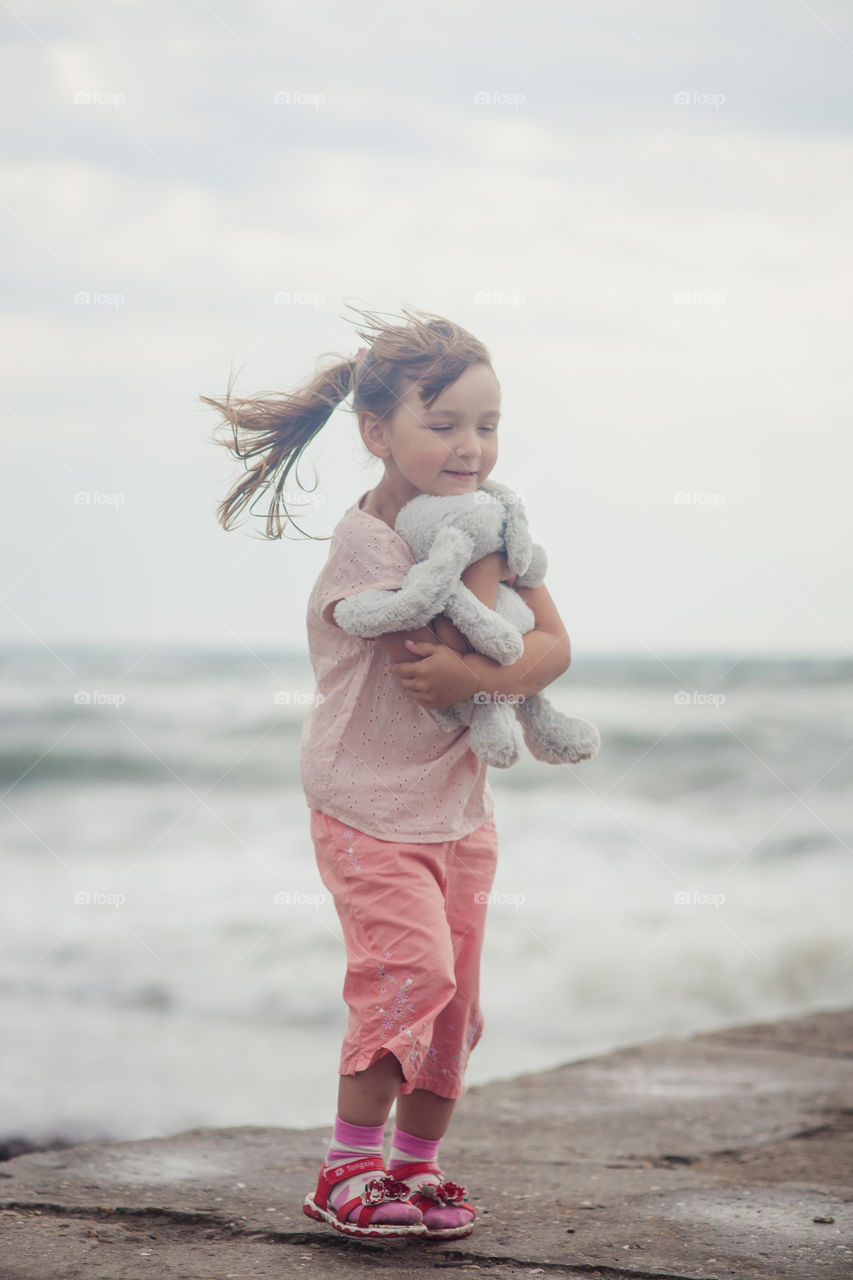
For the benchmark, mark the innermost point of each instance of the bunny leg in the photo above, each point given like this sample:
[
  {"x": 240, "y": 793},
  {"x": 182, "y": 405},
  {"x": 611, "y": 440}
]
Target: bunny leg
[
  {"x": 495, "y": 736},
  {"x": 554, "y": 737}
]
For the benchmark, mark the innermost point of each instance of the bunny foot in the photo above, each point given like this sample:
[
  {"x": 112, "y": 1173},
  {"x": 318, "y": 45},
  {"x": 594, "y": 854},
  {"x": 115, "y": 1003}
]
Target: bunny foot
[{"x": 554, "y": 737}]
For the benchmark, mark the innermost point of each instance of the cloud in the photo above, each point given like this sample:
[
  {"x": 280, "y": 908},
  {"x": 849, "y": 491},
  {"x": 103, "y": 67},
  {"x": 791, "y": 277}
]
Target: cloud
[{"x": 657, "y": 281}]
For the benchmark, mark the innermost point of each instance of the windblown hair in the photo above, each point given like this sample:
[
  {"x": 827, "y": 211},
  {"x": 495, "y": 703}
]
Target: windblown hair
[{"x": 275, "y": 431}]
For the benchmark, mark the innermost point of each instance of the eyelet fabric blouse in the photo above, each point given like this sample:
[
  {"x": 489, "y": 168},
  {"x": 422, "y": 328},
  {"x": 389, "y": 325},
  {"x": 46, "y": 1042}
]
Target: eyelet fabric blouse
[{"x": 370, "y": 756}]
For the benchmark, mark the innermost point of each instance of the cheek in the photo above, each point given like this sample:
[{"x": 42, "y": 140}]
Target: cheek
[{"x": 435, "y": 452}]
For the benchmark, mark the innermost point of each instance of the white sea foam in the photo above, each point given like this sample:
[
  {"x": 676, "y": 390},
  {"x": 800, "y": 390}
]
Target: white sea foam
[{"x": 696, "y": 874}]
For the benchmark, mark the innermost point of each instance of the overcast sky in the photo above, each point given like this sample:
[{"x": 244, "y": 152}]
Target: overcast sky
[{"x": 642, "y": 209}]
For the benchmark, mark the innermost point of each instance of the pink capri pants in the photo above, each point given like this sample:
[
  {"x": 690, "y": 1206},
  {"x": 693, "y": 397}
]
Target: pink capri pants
[{"x": 413, "y": 918}]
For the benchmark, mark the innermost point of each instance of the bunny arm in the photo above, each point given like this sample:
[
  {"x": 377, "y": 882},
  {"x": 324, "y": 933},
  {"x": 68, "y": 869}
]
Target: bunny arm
[
  {"x": 488, "y": 630},
  {"x": 422, "y": 594}
]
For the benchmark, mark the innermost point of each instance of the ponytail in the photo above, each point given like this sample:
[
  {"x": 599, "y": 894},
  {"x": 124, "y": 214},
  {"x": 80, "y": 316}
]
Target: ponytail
[
  {"x": 427, "y": 350},
  {"x": 276, "y": 432}
]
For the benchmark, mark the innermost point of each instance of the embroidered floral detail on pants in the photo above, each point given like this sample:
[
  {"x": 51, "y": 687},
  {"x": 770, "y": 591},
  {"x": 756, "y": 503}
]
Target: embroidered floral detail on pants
[
  {"x": 396, "y": 1018},
  {"x": 348, "y": 836}
]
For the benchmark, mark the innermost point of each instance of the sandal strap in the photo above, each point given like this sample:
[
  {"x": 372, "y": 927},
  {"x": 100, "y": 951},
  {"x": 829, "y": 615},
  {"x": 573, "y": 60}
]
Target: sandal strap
[
  {"x": 415, "y": 1167},
  {"x": 338, "y": 1173},
  {"x": 378, "y": 1191},
  {"x": 385, "y": 1186}
]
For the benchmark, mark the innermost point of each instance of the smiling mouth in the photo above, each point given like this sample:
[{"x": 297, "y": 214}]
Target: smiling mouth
[{"x": 461, "y": 473}]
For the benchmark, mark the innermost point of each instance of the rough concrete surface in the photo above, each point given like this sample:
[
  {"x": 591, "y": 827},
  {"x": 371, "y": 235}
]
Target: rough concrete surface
[{"x": 726, "y": 1154}]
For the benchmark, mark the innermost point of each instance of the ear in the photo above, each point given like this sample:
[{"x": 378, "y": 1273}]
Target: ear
[
  {"x": 372, "y": 429},
  {"x": 516, "y": 534}
]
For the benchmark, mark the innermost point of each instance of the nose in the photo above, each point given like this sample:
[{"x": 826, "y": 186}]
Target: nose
[{"x": 469, "y": 448}]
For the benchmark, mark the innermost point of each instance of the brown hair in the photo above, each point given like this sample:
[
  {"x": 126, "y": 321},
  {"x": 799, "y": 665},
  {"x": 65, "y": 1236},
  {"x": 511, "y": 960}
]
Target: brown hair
[{"x": 428, "y": 350}]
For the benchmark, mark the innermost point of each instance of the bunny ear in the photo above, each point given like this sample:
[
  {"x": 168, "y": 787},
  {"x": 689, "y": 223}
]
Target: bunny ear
[{"x": 519, "y": 547}]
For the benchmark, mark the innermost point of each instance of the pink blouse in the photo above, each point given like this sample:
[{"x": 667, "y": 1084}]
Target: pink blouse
[{"x": 370, "y": 756}]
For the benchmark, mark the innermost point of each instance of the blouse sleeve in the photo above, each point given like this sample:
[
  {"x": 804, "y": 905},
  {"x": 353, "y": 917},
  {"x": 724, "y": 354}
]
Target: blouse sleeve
[{"x": 367, "y": 557}]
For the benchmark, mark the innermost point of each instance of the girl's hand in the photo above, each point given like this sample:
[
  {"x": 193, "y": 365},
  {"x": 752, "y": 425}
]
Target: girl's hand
[{"x": 438, "y": 679}]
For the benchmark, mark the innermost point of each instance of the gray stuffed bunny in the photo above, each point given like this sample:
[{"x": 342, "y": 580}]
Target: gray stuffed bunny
[{"x": 446, "y": 534}]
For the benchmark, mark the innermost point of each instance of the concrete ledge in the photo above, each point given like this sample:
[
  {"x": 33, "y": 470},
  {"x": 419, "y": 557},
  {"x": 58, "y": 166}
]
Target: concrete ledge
[{"x": 726, "y": 1154}]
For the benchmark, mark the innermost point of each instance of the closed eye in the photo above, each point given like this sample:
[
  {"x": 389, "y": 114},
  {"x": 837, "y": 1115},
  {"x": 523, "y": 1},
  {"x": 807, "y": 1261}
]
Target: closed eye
[{"x": 493, "y": 427}]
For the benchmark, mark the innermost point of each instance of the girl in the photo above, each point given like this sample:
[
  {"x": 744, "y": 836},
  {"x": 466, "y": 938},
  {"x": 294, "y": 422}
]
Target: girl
[{"x": 401, "y": 814}]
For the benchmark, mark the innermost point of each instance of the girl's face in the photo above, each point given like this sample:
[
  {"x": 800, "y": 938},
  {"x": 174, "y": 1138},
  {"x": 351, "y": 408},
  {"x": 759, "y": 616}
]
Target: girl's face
[{"x": 449, "y": 448}]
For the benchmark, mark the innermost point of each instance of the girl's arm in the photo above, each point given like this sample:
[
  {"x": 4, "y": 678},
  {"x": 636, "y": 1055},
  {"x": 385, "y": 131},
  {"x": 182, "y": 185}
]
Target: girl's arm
[
  {"x": 547, "y": 652},
  {"x": 438, "y": 677}
]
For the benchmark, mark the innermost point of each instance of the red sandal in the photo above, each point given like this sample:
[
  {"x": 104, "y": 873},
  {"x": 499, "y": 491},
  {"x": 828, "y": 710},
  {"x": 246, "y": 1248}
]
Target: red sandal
[
  {"x": 377, "y": 1191},
  {"x": 443, "y": 1194}
]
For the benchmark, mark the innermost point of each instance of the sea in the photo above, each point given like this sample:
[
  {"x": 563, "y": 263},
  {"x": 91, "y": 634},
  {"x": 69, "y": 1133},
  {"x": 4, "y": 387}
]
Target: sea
[{"x": 170, "y": 959}]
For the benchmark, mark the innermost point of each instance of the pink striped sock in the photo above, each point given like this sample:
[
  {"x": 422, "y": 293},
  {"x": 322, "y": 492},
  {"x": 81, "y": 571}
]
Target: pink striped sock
[
  {"x": 348, "y": 1142},
  {"x": 408, "y": 1147},
  {"x": 354, "y": 1139}
]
